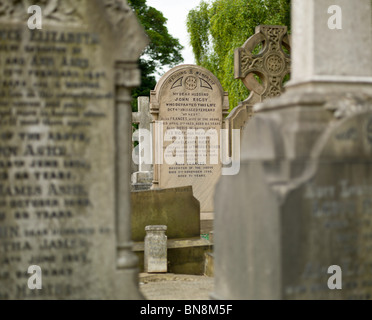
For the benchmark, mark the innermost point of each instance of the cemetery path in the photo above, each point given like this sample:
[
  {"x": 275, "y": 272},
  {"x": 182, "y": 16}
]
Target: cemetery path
[{"x": 175, "y": 287}]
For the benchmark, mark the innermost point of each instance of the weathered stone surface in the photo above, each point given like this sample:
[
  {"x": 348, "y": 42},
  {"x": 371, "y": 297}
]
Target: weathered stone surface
[
  {"x": 271, "y": 64},
  {"x": 301, "y": 202},
  {"x": 321, "y": 54},
  {"x": 303, "y": 216},
  {"x": 177, "y": 208},
  {"x": 64, "y": 155},
  {"x": 156, "y": 249},
  {"x": 186, "y": 98}
]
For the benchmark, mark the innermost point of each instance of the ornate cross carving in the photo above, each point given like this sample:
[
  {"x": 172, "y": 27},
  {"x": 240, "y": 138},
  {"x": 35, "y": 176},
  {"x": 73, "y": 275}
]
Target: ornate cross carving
[{"x": 271, "y": 64}]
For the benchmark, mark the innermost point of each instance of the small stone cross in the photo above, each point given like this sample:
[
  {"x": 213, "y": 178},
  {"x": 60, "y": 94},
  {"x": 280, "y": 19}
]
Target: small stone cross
[{"x": 144, "y": 119}]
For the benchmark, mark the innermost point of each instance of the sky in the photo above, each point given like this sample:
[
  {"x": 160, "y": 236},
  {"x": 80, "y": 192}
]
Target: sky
[{"x": 176, "y": 12}]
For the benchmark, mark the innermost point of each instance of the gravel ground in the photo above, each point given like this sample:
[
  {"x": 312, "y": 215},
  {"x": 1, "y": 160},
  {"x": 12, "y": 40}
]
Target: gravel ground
[{"x": 175, "y": 287}]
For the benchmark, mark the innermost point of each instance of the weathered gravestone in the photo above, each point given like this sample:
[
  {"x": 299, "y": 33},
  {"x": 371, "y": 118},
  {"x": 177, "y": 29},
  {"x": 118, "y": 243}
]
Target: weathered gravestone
[
  {"x": 177, "y": 208},
  {"x": 302, "y": 200},
  {"x": 142, "y": 179},
  {"x": 263, "y": 65},
  {"x": 64, "y": 150},
  {"x": 188, "y": 106}
]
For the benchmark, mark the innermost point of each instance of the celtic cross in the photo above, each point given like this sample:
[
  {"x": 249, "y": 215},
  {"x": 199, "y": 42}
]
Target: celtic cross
[{"x": 270, "y": 65}]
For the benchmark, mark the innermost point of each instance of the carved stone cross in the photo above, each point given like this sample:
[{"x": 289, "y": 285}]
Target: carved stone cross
[
  {"x": 270, "y": 65},
  {"x": 143, "y": 116},
  {"x": 144, "y": 119}
]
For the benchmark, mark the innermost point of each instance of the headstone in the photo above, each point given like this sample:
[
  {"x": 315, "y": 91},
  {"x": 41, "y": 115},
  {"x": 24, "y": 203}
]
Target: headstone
[
  {"x": 156, "y": 249},
  {"x": 64, "y": 155},
  {"x": 264, "y": 56},
  {"x": 177, "y": 208},
  {"x": 189, "y": 102},
  {"x": 298, "y": 219},
  {"x": 142, "y": 179}
]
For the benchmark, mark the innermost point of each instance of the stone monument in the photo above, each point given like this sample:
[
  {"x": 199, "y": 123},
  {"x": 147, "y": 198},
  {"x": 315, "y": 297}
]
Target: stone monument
[
  {"x": 65, "y": 150},
  {"x": 263, "y": 72},
  {"x": 142, "y": 179},
  {"x": 298, "y": 215},
  {"x": 188, "y": 106}
]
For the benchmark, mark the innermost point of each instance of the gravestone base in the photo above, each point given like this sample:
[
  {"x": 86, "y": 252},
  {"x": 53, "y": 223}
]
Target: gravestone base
[
  {"x": 185, "y": 256},
  {"x": 177, "y": 208},
  {"x": 142, "y": 181}
]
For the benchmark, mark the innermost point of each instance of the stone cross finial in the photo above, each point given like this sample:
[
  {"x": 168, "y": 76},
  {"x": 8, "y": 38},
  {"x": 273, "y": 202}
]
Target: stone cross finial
[
  {"x": 271, "y": 64},
  {"x": 143, "y": 116}
]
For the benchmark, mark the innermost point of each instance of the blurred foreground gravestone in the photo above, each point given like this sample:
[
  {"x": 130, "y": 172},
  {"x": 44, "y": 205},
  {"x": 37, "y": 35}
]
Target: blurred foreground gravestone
[
  {"x": 65, "y": 150},
  {"x": 301, "y": 202}
]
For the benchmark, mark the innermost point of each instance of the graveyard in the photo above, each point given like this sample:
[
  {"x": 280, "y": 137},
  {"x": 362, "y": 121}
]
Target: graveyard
[{"x": 246, "y": 180}]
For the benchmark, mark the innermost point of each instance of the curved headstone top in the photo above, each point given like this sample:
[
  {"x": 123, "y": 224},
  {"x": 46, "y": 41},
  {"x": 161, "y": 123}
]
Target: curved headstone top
[{"x": 205, "y": 80}]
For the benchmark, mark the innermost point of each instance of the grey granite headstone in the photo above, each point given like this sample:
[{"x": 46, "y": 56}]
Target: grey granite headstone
[
  {"x": 301, "y": 202},
  {"x": 64, "y": 150},
  {"x": 156, "y": 249}
]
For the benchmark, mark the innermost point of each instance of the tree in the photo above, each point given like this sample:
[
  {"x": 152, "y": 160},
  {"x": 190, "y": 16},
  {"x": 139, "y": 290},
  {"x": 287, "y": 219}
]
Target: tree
[
  {"x": 163, "y": 50},
  {"x": 216, "y": 29}
]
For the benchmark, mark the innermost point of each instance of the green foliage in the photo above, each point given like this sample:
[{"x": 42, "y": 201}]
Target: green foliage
[
  {"x": 218, "y": 27},
  {"x": 163, "y": 50}
]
